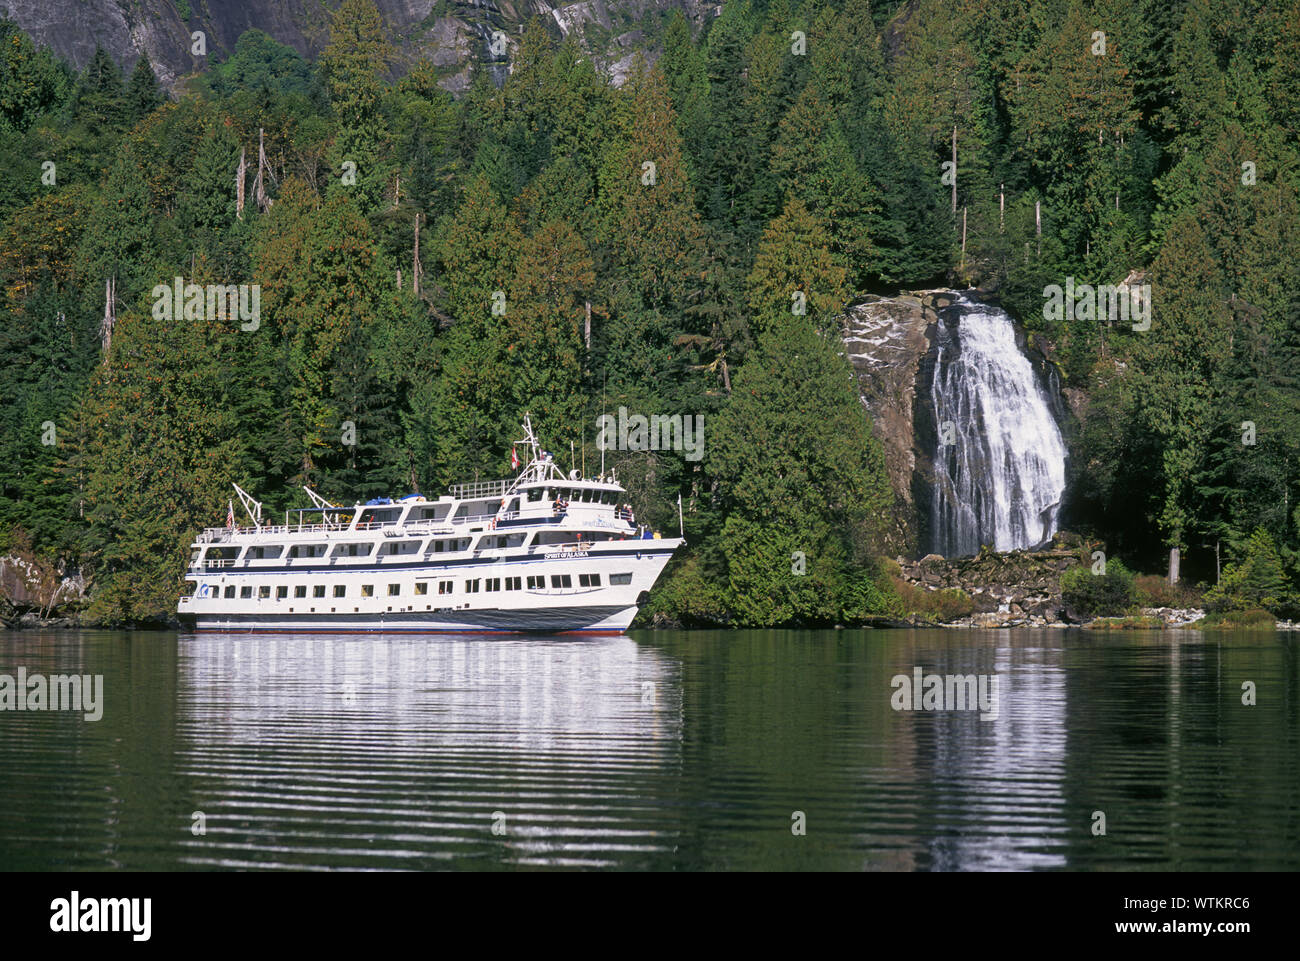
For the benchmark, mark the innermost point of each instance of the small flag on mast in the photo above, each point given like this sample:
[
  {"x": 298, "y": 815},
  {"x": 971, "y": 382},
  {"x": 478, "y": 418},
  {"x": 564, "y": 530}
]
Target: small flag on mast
[
  {"x": 514, "y": 459},
  {"x": 230, "y": 514}
]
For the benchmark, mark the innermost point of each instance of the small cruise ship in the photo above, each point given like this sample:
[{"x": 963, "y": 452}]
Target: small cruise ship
[{"x": 544, "y": 552}]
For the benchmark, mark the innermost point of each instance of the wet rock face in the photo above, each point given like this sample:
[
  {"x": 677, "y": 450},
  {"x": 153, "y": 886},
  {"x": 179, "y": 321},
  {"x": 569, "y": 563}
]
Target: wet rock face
[
  {"x": 886, "y": 340},
  {"x": 450, "y": 33}
]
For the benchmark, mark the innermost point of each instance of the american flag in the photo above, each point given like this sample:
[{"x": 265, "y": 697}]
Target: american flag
[{"x": 230, "y": 514}]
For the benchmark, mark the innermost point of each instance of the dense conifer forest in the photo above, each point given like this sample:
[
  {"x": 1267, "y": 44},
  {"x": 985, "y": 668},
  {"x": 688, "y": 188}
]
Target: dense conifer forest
[{"x": 428, "y": 268}]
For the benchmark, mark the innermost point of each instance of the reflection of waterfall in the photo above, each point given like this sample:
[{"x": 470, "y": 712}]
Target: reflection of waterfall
[{"x": 1000, "y": 479}]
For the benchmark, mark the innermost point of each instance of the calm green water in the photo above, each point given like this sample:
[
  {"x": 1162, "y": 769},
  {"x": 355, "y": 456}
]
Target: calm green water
[{"x": 668, "y": 751}]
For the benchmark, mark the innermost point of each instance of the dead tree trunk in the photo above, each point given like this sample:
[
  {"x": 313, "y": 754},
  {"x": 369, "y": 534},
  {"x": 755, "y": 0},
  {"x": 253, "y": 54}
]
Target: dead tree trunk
[{"x": 240, "y": 174}]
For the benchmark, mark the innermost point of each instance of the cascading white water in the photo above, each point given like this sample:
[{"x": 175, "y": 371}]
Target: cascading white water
[{"x": 1001, "y": 480}]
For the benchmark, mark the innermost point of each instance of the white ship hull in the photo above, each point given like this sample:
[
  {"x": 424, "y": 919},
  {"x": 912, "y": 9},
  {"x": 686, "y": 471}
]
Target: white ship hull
[
  {"x": 553, "y": 620},
  {"x": 264, "y": 598}
]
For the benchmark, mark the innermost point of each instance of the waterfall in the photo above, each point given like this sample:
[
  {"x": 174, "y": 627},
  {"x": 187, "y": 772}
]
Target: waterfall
[{"x": 1001, "y": 479}]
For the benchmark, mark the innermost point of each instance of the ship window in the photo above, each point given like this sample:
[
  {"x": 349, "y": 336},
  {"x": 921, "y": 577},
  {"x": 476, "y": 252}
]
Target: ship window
[
  {"x": 561, "y": 580},
  {"x": 513, "y": 583},
  {"x": 471, "y": 587},
  {"x": 589, "y": 580},
  {"x": 493, "y": 584},
  {"x": 444, "y": 587},
  {"x": 318, "y": 590},
  {"x": 281, "y": 593},
  {"x": 245, "y": 592},
  {"x": 340, "y": 590},
  {"x": 422, "y": 587},
  {"x": 367, "y": 590},
  {"x": 620, "y": 578},
  {"x": 230, "y": 590},
  {"x": 264, "y": 592},
  {"x": 394, "y": 589},
  {"x": 300, "y": 590}
]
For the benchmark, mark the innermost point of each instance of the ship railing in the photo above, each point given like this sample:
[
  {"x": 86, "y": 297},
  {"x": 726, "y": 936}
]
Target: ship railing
[{"x": 494, "y": 488}]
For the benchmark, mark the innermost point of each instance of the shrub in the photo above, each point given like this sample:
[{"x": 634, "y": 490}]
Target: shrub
[
  {"x": 1156, "y": 591},
  {"x": 1256, "y": 581},
  {"x": 1098, "y": 595},
  {"x": 942, "y": 606},
  {"x": 1251, "y": 619}
]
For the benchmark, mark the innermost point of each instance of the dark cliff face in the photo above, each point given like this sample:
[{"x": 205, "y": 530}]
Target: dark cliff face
[{"x": 449, "y": 33}]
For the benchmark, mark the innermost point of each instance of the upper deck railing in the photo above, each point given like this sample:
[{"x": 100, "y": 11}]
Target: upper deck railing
[{"x": 494, "y": 488}]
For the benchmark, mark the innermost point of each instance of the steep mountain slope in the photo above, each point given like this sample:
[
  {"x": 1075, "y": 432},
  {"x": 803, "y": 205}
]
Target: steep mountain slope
[{"x": 450, "y": 33}]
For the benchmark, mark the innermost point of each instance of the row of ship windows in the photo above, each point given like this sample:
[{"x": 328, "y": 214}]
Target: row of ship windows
[{"x": 536, "y": 583}]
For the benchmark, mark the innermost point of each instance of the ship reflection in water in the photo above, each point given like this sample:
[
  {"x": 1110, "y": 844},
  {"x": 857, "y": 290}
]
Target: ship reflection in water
[{"x": 405, "y": 752}]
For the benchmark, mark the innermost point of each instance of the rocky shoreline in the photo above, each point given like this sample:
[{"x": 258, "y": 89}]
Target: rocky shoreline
[{"x": 1022, "y": 589}]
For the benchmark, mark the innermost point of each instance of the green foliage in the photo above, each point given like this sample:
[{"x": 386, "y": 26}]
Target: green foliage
[
  {"x": 261, "y": 62},
  {"x": 1099, "y": 595},
  {"x": 1245, "y": 619},
  {"x": 776, "y": 174},
  {"x": 1256, "y": 580}
]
